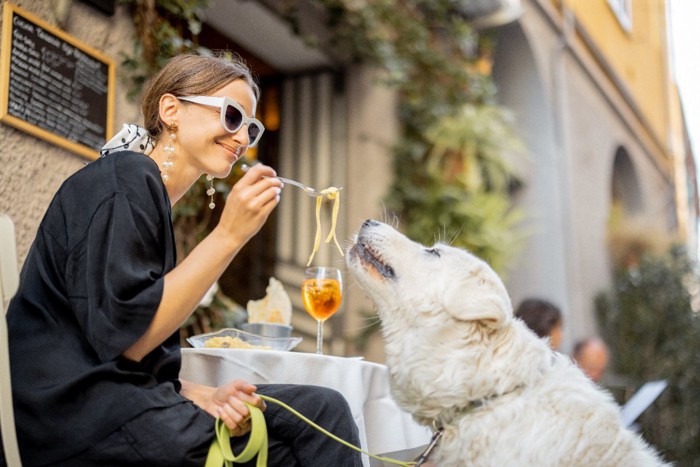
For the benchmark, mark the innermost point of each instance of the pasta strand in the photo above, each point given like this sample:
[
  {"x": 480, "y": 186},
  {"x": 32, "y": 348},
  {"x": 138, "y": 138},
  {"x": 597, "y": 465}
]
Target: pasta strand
[{"x": 332, "y": 193}]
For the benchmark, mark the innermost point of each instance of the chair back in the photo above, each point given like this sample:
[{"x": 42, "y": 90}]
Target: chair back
[
  {"x": 9, "y": 277},
  {"x": 9, "y": 281}
]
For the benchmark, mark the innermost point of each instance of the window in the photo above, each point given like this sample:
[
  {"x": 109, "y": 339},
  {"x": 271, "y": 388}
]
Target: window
[{"x": 623, "y": 11}]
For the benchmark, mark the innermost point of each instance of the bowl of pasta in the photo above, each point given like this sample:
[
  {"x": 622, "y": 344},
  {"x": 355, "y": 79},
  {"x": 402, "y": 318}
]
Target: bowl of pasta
[{"x": 230, "y": 338}]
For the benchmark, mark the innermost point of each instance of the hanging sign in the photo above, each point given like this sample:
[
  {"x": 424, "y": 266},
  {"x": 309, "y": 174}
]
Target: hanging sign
[{"x": 53, "y": 86}]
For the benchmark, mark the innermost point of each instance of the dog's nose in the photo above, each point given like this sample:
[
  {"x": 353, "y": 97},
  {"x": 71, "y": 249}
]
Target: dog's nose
[{"x": 370, "y": 223}]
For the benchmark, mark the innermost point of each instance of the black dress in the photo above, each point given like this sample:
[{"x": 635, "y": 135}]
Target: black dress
[{"x": 89, "y": 288}]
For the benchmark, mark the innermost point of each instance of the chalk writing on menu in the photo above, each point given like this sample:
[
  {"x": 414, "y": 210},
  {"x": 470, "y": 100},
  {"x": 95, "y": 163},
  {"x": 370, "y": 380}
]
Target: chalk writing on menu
[{"x": 56, "y": 86}]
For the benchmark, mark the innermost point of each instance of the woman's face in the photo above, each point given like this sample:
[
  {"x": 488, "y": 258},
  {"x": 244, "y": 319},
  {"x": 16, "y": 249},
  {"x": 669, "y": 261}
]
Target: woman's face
[{"x": 203, "y": 141}]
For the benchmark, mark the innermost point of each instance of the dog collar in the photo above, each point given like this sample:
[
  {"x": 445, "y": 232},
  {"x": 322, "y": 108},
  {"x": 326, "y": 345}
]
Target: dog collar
[
  {"x": 478, "y": 403},
  {"x": 471, "y": 406},
  {"x": 439, "y": 430}
]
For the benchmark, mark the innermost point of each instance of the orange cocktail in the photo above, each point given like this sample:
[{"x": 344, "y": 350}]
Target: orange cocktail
[{"x": 321, "y": 292}]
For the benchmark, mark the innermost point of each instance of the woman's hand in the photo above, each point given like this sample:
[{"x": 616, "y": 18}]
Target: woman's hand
[
  {"x": 250, "y": 202},
  {"x": 229, "y": 401},
  {"x": 226, "y": 402}
]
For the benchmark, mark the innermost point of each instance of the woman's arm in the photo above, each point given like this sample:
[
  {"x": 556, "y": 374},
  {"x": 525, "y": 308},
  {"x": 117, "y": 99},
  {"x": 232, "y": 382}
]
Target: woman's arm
[
  {"x": 226, "y": 402},
  {"x": 250, "y": 202}
]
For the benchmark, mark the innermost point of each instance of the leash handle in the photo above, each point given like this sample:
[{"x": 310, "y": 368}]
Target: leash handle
[{"x": 220, "y": 452}]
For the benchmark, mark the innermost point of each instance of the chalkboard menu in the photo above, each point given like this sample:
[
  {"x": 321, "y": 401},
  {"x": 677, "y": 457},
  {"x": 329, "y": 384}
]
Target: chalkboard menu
[{"x": 53, "y": 86}]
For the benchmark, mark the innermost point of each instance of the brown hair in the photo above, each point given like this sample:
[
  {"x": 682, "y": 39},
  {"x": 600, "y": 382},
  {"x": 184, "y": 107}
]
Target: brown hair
[
  {"x": 540, "y": 315},
  {"x": 191, "y": 75}
]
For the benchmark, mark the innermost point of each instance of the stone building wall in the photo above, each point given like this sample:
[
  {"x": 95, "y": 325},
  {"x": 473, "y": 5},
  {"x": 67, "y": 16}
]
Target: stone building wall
[
  {"x": 574, "y": 120},
  {"x": 31, "y": 169}
]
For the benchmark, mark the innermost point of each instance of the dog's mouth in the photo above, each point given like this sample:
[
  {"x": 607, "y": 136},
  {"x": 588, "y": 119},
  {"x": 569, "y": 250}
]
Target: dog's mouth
[{"x": 369, "y": 257}]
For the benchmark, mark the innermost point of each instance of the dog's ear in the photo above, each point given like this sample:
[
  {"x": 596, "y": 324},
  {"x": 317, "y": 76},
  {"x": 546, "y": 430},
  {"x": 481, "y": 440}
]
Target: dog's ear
[{"x": 479, "y": 297}]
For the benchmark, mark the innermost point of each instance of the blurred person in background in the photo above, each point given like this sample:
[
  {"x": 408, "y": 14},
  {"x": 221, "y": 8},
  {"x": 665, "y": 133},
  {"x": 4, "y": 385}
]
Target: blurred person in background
[
  {"x": 544, "y": 318},
  {"x": 592, "y": 356}
]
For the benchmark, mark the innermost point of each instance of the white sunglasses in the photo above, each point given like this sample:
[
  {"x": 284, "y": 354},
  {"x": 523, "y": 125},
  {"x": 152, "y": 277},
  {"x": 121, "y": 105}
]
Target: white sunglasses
[{"x": 233, "y": 116}]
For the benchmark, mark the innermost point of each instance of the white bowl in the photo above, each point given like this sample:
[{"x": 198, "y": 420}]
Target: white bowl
[{"x": 237, "y": 339}]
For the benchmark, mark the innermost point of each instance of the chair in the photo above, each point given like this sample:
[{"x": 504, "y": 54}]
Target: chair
[{"x": 9, "y": 281}]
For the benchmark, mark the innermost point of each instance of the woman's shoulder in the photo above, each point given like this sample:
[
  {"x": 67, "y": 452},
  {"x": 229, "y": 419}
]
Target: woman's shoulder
[
  {"x": 106, "y": 165},
  {"x": 116, "y": 169},
  {"x": 127, "y": 173},
  {"x": 128, "y": 161},
  {"x": 118, "y": 182}
]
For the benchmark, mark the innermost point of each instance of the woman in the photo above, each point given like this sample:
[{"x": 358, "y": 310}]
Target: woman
[{"x": 94, "y": 342}]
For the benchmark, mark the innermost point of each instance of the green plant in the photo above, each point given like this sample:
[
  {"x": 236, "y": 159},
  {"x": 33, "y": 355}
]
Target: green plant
[
  {"x": 450, "y": 164},
  {"x": 164, "y": 28},
  {"x": 458, "y": 182},
  {"x": 651, "y": 322}
]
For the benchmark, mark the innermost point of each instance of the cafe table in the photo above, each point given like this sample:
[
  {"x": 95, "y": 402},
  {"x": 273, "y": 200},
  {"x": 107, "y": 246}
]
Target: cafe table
[{"x": 383, "y": 426}]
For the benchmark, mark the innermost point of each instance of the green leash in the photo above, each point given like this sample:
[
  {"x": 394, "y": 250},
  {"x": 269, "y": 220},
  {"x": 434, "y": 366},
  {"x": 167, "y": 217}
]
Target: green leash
[{"x": 221, "y": 454}]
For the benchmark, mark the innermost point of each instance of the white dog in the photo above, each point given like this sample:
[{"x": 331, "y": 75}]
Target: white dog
[{"x": 459, "y": 360}]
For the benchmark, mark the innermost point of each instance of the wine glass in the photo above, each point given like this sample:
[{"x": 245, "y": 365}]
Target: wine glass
[{"x": 321, "y": 292}]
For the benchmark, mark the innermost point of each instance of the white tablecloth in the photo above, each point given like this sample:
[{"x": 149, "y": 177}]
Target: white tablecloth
[{"x": 383, "y": 426}]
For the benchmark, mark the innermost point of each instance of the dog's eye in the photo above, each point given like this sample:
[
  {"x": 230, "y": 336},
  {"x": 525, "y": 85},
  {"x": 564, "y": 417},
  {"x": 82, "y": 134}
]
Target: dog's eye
[{"x": 433, "y": 251}]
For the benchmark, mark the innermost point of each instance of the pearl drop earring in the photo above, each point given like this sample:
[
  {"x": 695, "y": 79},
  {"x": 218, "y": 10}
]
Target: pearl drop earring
[
  {"x": 170, "y": 151},
  {"x": 211, "y": 191}
]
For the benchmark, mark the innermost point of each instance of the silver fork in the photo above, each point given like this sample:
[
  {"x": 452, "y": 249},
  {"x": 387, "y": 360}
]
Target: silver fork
[{"x": 307, "y": 189}]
